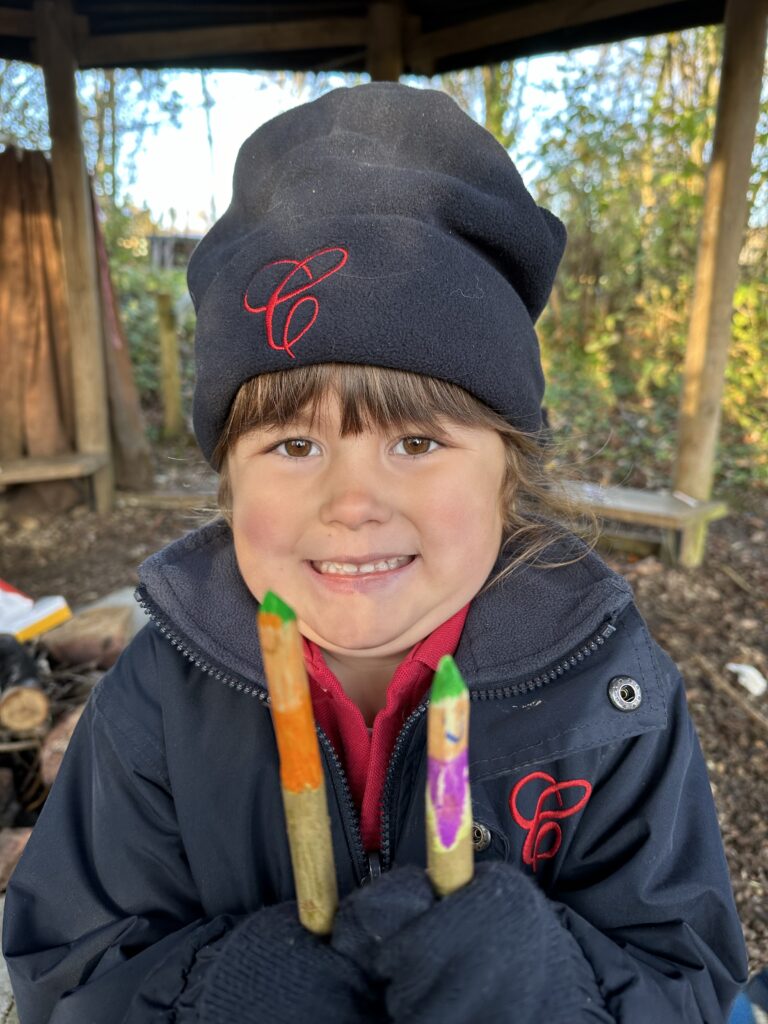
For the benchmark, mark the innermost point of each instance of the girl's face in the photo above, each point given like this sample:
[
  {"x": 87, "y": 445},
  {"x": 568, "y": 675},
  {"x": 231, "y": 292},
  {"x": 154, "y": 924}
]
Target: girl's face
[{"x": 306, "y": 503}]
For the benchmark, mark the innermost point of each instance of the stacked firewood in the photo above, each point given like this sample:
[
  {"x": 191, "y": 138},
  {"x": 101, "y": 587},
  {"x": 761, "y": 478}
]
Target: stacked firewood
[{"x": 44, "y": 686}]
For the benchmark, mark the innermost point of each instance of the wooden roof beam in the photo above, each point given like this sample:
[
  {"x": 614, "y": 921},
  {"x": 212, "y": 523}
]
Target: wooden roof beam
[
  {"x": 532, "y": 20},
  {"x": 385, "y": 54},
  {"x": 14, "y": 22},
  {"x": 132, "y": 48}
]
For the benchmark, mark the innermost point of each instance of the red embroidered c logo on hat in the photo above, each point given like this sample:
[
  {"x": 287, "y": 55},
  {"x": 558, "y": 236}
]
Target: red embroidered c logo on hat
[
  {"x": 315, "y": 267},
  {"x": 544, "y": 824}
]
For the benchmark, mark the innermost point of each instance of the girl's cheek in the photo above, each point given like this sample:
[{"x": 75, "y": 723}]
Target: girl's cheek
[
  {"x": 471, "y": 521},
  {"x": 463, "y": 511},
  {"x": 261, "y": 527},
  {"x": 254, "y": 527}
]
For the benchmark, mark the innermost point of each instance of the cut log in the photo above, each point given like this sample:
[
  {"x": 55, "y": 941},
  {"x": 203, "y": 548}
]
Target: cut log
[
  {"x": 24, "y": 708},
  {"x": 55, "y": 745},
  {"x": 93, "y": 637}
]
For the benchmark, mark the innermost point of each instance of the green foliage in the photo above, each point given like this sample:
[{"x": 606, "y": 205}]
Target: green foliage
[
  {"x": 744, "y": 455},
  {"x": 624, "y": 165},
  {"x": 492, "y": 95},
  {"x": 622, "y": 162},
  {"x": 23, "y": 110},
  {"x": 137, "y": 283},
  {"x": 119, "y": 107}
]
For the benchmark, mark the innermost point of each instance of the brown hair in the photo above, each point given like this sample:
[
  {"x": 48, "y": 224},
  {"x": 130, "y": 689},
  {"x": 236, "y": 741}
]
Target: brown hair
[{"x": 535, "y": 511}]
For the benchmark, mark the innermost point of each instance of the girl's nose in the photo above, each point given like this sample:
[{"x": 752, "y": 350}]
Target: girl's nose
[{"x": 353, "y": 496}]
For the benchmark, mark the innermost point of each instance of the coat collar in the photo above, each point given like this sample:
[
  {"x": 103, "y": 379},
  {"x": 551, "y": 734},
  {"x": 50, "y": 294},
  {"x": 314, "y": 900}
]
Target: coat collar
[{"x": 194, "y": 590}]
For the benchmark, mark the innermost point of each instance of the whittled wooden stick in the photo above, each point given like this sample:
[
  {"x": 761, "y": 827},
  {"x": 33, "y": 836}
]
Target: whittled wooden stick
[
  {"x": 450, "y": 856},
  {"x": 301, "y": 771}
]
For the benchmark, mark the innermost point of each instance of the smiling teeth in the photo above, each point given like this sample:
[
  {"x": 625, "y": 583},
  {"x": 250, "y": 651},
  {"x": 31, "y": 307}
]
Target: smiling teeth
[{"x": 348, "y": 569}]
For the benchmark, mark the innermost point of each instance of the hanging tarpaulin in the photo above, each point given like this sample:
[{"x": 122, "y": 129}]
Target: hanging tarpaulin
[{"x": 37, "y": 410}]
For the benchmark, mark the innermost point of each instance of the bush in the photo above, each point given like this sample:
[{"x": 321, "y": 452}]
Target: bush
[{"x": 137, "y": 284}]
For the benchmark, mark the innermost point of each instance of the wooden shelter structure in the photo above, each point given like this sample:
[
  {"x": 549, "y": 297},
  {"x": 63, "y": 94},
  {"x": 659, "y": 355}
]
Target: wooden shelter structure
[{"x": 389, "y": 38}]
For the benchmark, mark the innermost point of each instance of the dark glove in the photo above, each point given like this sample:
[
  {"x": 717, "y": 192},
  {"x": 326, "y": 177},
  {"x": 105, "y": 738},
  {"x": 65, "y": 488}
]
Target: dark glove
[
  {"x": 271, "y": 970},
  {"x": 494, "y": 952}
]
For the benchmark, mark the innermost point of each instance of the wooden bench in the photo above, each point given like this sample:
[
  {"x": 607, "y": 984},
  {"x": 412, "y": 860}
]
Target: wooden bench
[
  {"x": 682, "y": 521},
  {"x": 191, "y": 500},
  {"x": 31, "y": 470}
]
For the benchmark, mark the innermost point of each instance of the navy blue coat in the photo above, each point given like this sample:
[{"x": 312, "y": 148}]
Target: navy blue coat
[{"x": 165, "y": 825}]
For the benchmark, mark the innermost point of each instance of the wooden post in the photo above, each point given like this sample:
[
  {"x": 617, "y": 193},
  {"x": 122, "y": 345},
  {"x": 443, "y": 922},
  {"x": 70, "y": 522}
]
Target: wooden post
[
  {"x": 386, "y": 26},
  {"x": 720, "y": 243},
  {"x": 173, "y": 421},
  {"x": 416, "y": 55},
  {"x": 56, "y": 54}
]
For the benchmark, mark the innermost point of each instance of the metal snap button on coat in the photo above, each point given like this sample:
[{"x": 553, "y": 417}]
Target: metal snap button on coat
[
  {"x": 481, "y": 836},
  {"x": 625, "y": 693}
]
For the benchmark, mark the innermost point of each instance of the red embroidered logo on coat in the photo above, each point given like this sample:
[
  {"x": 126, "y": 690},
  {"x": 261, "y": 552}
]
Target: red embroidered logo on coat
[
  {"x": 543, "y": 825},
  {"x": 303, "y": 275}
]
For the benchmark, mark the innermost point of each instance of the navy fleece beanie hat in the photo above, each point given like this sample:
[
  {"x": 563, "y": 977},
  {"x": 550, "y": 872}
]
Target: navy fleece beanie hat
[{"x": 376, "y": 225}]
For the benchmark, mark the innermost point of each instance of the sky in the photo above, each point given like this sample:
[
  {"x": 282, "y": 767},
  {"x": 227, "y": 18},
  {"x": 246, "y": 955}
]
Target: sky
[{"x": 176, "y": 176}]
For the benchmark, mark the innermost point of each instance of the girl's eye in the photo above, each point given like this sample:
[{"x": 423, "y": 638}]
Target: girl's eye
[
  {"x": 301, "y": 448},
  {"x": 294, "y": 447},
  {"x": 416, "y": 445}
]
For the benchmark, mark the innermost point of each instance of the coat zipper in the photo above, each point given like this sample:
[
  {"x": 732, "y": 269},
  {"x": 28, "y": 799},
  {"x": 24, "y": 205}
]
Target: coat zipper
[
  {"x": 364, "y": 867},
  {"x": 369, "y": 866},
  {"x": 349, "y": 812},
  {"x": 583, "y": 651},
  {"x": 193, "y": 655},
  {"x": 386, "y": 796}
]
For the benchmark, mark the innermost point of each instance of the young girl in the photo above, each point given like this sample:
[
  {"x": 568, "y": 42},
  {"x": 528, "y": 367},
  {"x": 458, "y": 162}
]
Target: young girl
[{"x": 369, "y": 387}]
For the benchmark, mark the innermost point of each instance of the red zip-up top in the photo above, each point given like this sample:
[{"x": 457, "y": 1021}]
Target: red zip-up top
[{"x": 365, "y": 753}]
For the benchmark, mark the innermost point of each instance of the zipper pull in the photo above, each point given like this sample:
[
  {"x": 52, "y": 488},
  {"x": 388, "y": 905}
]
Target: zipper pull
[{"x": 374, "y": 867}]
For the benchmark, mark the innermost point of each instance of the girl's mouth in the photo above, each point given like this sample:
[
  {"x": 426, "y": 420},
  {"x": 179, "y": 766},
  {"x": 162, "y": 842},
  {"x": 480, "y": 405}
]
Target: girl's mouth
[
  {"x": 349, "y": 578},
  {"x": 352, "y": 569}
]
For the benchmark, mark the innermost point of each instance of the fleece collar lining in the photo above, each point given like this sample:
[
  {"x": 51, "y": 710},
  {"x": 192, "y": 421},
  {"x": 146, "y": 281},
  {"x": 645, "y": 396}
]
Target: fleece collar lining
[{"x": 513, "y": 631}]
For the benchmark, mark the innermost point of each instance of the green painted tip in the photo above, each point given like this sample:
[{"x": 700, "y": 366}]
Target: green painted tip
[
  {"x": 274, "y": 605},
  {"x": 447, "y": 681}
]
